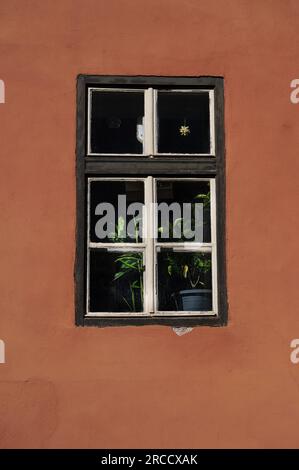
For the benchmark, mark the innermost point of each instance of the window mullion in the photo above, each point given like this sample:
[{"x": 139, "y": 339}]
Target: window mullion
[
  {"x": 119, "y": 246},
  {"x": 148, "y": 124},
  {"x": 149, "y": 250},
  {"x": 206, "y": 248}
]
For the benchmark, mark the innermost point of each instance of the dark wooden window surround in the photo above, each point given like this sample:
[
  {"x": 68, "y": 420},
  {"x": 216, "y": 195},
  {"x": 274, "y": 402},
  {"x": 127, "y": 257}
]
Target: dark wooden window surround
[{"x": 164, "y": 166}]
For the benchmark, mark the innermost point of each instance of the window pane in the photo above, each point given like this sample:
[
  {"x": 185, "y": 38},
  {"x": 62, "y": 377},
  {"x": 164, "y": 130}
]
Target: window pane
[
  {"x": 116, "y": 281},
  {"x": 186, "y": 281},
  {"x": 184, "y": 122},
  {"x": 116, "y": 211},
  {"x": 184, "y": 211},
  {"x": 116, "y": 122}
]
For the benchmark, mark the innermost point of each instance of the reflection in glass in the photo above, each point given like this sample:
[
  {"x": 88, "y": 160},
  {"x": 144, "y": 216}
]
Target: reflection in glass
[
  {"x": 184, "y": 281},
  {"x": 184, "y": 122},
  {"x": 116, "y": 211},
  {"x": 116, "y": 281},
  {"x": 183, "y": 211},
  {"x": 116, "y": 122}
]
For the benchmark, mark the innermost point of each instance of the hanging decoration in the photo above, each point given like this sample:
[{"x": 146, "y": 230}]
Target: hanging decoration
[{"x": 184, "y": 129}]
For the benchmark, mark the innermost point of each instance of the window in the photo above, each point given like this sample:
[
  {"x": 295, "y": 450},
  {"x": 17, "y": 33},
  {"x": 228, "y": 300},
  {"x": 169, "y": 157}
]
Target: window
[
  {"x": 150, "y": 122},
  {"x": 150, "y": 201}
]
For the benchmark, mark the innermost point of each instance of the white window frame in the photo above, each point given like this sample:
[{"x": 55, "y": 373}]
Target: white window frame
[
  {"x": 149, "y": 246},
  {"x": 150, "y": 144}
]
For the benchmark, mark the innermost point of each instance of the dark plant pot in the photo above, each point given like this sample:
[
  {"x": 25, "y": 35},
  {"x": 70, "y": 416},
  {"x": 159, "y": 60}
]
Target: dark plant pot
[{"x": 193, "y": 300}]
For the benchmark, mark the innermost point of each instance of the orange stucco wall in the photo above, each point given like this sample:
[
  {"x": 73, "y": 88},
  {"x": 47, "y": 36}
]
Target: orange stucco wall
[{"x": 144, "y": 387}]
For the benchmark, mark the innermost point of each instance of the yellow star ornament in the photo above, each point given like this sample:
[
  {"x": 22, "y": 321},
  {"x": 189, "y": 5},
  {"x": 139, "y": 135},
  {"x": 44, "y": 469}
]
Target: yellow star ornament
[{"x": 184, "y": 130}]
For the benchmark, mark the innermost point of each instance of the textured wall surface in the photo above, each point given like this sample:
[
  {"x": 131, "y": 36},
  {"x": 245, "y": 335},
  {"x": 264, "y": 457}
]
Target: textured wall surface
[{"x": 145, "y": 387}]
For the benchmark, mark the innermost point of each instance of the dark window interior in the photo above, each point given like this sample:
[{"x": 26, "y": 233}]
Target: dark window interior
[
  {"x": 110, "y": 292},
  {"x": 114, "y": 120},
  {"x": 186, "y": 280},
  {"x": 108, "y": 192},
  {"x": 177, "y": 111},
  {"x": 185, "y": 192}
]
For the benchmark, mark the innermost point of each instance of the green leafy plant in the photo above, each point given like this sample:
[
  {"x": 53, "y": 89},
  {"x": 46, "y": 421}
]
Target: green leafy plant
[
  {"x": 205, "y": 198},
  {"x": 191, "y": 267},
  {"x": 131, "y": 265},
  {"x": 181, "y": 226},
  {"x": 119, "y": 236}
]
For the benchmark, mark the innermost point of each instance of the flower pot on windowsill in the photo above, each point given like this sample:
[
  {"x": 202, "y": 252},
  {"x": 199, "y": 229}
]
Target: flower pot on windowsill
[{"x": 194, "y": 300}]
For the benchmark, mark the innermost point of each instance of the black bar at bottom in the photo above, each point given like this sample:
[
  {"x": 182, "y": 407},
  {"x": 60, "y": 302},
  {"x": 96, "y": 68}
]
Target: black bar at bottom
[{"x": 197, "y": 458}]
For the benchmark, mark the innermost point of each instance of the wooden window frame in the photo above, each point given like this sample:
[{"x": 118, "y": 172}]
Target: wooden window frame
[{"x": 141, "y": 165}]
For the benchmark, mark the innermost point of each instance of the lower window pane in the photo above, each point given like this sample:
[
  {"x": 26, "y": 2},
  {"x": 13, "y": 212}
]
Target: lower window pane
[
  {"x": 116, "y": 281},
  {"x": 184, "y": 281}
]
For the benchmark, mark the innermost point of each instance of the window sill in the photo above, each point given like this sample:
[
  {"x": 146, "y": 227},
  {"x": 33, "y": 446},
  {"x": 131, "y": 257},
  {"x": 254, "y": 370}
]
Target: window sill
[{"x": 200, "y": 320}]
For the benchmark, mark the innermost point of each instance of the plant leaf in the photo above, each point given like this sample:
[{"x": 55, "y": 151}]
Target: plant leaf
[{"x": 185, "y": 271}]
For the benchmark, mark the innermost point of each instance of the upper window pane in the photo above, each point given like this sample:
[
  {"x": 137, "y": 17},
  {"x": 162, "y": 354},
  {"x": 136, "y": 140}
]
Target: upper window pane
[
  {"x": 183, "y": 122},
  {"x": 116, "y": 122}
]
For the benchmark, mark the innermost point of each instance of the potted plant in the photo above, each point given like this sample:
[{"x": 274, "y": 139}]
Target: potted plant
[{"x": 191, "y": 268}]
